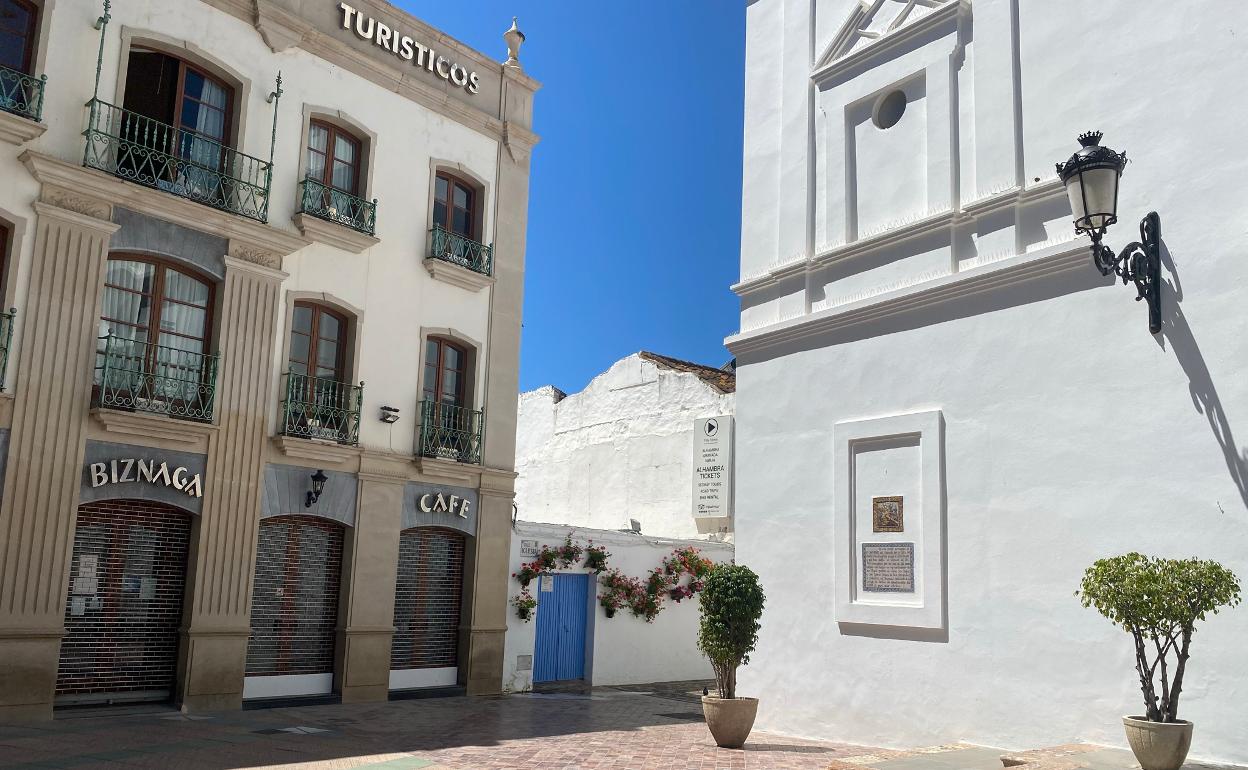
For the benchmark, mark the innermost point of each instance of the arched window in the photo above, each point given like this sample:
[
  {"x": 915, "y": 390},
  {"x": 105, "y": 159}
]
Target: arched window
[
  {"x": 156, "y": 306},
  {"x": 181, "y": 96},
  {"x": 455, "y": 205},
  {"x": 318, "y": 342},
  {"x": 446, "y": 372},
  {"x": 17, "y": 40},
  {"x": 153, "y": 351},
  {"x": 335, "y": 157}
]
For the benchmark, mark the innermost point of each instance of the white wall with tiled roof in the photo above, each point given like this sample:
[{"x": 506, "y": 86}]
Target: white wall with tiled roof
[{"x": 620, "y": 449}]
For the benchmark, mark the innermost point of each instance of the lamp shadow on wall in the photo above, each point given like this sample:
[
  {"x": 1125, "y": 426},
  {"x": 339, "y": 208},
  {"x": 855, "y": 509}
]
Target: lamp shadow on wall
[{"x": 1178, "y": 332}]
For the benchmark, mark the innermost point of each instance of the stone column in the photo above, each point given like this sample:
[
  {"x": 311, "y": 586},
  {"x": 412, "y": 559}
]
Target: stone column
[
  {"x": 371, "y": 564},
  {"x": 52, "y": 397},
  {"x": 488, "y": 570},
  {"x": 217, "y": 618}
]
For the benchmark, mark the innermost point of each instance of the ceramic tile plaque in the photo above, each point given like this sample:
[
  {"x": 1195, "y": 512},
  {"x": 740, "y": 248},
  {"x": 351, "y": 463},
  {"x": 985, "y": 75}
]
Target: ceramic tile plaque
[
  {"x": 887, "y": 514},
  {"x": 888, "y": 568}
]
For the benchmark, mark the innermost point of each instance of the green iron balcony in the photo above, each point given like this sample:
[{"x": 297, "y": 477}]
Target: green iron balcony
[
  {"x": 136, "y": 376},
  {"x": 139, "y": 149},
  {"x": 324, "y": 202},
  {"x": 451, "y": 432},
  {"x": 318, "y": 408},
  {"x": 22, "y": 94},
  {"x": 6, "y": 341},
  {"x": 460, "y": 250}
]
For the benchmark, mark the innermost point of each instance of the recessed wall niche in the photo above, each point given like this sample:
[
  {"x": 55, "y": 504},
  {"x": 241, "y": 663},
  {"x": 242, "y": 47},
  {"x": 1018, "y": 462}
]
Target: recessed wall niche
[
  {"x": 888, "y": 155},
  {"x": 889, "y": 521}
]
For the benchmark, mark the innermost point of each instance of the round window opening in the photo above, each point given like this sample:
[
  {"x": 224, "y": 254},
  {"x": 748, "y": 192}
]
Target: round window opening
[{"x": 889, "y": 109}]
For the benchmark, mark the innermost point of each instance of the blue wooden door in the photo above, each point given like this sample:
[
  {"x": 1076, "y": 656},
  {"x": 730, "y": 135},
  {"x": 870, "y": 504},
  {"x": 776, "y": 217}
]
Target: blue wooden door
[{"x": 559, "y": 652}]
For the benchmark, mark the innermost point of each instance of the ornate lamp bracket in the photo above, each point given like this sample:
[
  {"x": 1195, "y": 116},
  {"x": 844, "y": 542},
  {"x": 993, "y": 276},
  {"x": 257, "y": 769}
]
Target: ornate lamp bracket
[{"x": 1139, "y": 263}]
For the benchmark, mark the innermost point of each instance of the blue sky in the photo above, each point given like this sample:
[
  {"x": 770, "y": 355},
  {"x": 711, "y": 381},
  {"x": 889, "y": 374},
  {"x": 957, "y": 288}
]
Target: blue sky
[{"x": 634, "y": 215}]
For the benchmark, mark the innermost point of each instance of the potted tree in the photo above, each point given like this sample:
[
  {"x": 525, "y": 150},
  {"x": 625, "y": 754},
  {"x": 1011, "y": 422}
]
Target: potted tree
[
  {"x": 1158, "y": 602},
  {"x": 731, "y": 604}
]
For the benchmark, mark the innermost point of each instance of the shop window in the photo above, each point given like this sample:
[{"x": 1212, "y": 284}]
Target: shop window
[
  {"x": 17, "y": 37},
  {"x": 155, "y": 325},
  {"x": 455, "y": 205}
]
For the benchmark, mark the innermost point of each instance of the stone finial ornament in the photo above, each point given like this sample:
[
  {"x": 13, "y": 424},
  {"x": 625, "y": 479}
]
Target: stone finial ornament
[{"x": 513, "y": 37}]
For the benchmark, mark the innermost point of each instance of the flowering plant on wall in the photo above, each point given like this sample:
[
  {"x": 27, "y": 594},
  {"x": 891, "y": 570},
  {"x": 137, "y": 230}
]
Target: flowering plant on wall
[
  {"x": 645, "y": 599},
  {"x": 524, "y": 604},
  {"x": 550, "y": 559},
  {"x": 618, "y": 591}
]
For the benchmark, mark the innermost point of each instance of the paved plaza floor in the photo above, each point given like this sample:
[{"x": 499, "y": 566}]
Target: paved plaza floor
[{"x": 638, "y": 728}]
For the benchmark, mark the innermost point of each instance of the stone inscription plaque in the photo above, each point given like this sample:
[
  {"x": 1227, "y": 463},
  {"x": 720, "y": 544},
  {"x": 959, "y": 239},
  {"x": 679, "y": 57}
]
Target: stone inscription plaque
[
  {"x": 888, "y": 568},
  {"x": 887, "y": 514}
]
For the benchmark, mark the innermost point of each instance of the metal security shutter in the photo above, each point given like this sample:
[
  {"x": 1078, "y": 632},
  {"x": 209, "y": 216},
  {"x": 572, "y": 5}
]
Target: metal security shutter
[
  {"x": 427, "y": 599},
  {"x": 294, "y": 603},
  {"x": 124, "y": 604}
]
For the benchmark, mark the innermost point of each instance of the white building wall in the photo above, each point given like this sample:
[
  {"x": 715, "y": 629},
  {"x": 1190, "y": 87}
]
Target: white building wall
[
  {"x": 623, "y": 649},
  {"x": 620, "y": 449},
  {"x": 1070, "y": 432},
  {"x": 387, "y": 283}
]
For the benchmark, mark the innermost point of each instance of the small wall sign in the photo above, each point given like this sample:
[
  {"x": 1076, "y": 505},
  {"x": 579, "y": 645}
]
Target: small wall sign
[
  {"x": 887, "y": 514},
  {"x": 436, "y": 502},
  {"x": 528, "y": 548},
  {"x": 128, "y": 470}
]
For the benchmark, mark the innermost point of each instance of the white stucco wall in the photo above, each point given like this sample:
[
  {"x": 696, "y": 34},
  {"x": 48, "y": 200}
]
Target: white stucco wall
[
  {"x": 620, "y": 449},
  {"x": 623, "y": 649},
  {"x": 1071, "y": 433}
]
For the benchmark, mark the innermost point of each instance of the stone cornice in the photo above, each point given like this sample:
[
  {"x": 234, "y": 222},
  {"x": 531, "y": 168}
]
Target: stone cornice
[
  {"x": 88, "y": 184},
  {"x": 282, "y": 29},
  {"x": 989, "y": 204},
  {"x": 331, "y": 234},
  {"x": 18, "y": 130},
  {"x": 889, "y": 42},
  {"x": 995, "y": 275},
  {"x": 136, "y": 426},
  {"x": 455, "y": 275},
  {"x": 316, "y": 451}
]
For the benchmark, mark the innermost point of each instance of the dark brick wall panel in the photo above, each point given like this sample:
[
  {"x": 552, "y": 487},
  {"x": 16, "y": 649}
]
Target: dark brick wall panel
[
  {"x": 122, "y": 618},
  {"x": 294, "y": 605},
  {"x": 427, "y": 599}
]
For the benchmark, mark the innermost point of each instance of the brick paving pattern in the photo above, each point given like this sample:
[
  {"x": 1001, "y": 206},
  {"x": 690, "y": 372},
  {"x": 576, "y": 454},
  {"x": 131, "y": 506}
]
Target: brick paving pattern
[
  {"x": 634, "y": 728},
  {"x": 606, "y": 730}
]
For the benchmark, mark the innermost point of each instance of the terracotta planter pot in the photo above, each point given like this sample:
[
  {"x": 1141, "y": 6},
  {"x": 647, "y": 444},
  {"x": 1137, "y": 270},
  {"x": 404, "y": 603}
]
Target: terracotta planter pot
[
  {"x": 730, "y": 719},
  {"x": 1158, "y": 745}
]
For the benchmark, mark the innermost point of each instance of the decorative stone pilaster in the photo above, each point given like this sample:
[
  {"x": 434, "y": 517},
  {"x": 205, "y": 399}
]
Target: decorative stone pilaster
[
  {"x": 371, "y": 564},
  {"x": 52, "y": 396},
  {"x": 223, "y": 550},
  {"x": 488, "y": 570}
]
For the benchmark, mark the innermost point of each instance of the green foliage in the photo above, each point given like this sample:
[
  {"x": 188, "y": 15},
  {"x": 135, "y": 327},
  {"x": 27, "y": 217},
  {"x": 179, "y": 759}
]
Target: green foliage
[
  {"x": 731, "y": 603},
  {"x": 1158, "y": 601}
]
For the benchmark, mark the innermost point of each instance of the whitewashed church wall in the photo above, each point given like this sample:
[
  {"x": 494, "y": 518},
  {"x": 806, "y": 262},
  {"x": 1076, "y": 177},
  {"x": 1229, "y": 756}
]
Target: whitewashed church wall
[{"x": 1070, "y": 433}]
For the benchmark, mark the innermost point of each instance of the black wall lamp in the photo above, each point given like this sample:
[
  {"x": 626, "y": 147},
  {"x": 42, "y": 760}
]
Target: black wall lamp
[
  {"x": 318, "y": 486},
  {"x": 1091, "y": 178}
]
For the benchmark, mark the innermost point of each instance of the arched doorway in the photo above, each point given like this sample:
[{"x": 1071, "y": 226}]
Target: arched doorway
[
  {"x": 428, "y": 601},
  {"x": 124, "y": 604},
  {"x": 294, "y": 607}
]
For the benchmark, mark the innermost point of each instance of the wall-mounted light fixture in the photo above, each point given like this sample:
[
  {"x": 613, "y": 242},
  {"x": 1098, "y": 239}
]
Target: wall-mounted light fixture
[
  {"x": 318, "y": 486},
  {"x": 1091, "y": 177},
  {"x": 389, "y": 415}
]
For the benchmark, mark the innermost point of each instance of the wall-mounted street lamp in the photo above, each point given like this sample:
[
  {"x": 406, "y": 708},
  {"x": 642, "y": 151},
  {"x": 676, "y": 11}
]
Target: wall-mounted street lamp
[
  {"x": 1091, "y": 178},
  {"x": 318, "y": 486}
]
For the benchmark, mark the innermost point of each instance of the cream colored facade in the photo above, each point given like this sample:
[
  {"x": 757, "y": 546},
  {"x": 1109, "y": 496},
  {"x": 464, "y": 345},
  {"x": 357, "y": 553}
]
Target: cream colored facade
[{"x": 64, "y": 221}]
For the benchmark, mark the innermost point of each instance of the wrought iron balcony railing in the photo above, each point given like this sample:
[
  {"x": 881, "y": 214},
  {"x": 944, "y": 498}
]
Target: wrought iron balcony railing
[
  {"x": 324, "y": 202},
  {"x": 6, "y": 341},
  {"x": 22, "y": 94},
  {"x": 137, "y": 376},
  {"x": 460, "y": 250},
  {"x": 315, "y": 407},
  {"x": 451, "y": 432},
  {"x": 139, "y": 149}
]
